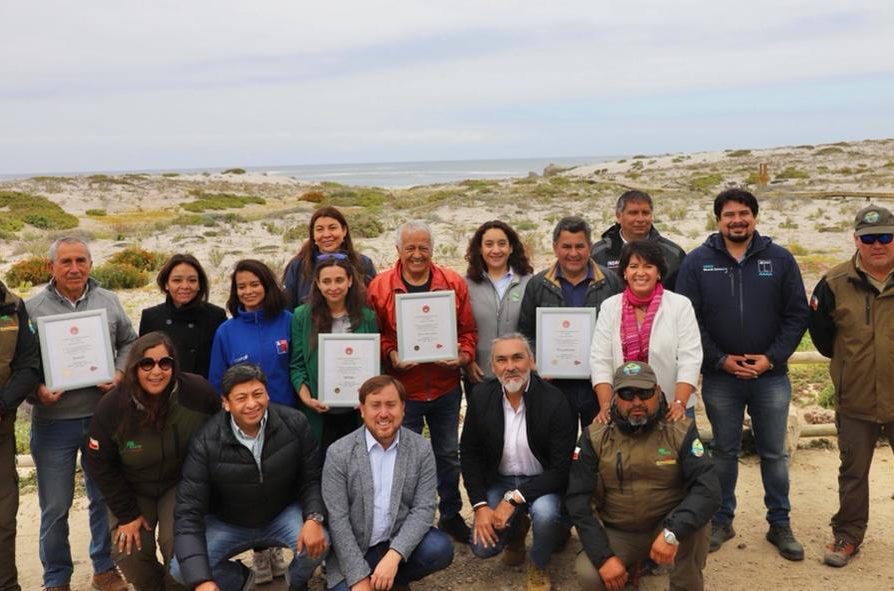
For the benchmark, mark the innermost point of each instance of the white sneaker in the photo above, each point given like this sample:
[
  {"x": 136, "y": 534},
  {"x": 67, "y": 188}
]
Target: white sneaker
[
  {"x": 260, "y": 564},
  {"x": 278, "y": 564}
]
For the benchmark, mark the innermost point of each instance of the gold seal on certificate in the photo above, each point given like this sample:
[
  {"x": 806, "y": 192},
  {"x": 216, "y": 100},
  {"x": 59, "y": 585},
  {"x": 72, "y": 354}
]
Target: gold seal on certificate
[
  {"x": 345, "y": 362},
  {"x": 564, "y": 336},
  {"x": 76, "y": 350},
  {"x": 426, "y": 326}
]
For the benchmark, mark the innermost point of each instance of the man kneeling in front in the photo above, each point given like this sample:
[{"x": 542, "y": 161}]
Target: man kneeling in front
[
  {"x": 380, "y": 487},
  {"x": 251, "y": 480},
  {"x": 641, "y": 487}
]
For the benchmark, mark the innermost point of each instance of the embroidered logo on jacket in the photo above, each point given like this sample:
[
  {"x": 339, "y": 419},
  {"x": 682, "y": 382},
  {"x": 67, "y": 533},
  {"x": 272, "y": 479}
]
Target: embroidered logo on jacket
[{"x": 764, "y": 268}]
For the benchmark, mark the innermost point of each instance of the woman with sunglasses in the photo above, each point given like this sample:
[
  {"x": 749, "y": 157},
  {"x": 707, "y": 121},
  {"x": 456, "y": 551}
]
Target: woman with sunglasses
[
  {"x": 337, "y": 304},
  {"x": 650, "y": 324},
  {"x": 185, "y": 315},
  {"x": 138, "y": 438},
  {"x": 327, "y": 232}
]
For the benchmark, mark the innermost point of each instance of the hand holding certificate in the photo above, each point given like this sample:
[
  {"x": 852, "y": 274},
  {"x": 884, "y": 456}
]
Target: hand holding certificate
[
  {"x": 76, "y": 350},
  {"x": 345, "y": 362},
  {"x": 564, "y": 336},
  {"x": 426, "y": 326}
]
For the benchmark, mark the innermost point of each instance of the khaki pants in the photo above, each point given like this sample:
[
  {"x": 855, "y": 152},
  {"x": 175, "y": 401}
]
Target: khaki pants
[
  {"x": 9, "y": 504},
  {"x": 856, "y": 444},
  {"x": 141, "y": 568},
  {"x": 632, "y": 547}
]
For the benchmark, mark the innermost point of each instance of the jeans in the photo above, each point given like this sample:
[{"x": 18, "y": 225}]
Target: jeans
[
  {"x": 549, "y": 526},
  {"x": 767, "y": 399},
  {"x": 442, "y": 417},
  {"x": 582, "y": 398},
  {"x": 54, "y": 447},
  {"x": 433, "y": 553},
  {"x": 224, "y": 540}
]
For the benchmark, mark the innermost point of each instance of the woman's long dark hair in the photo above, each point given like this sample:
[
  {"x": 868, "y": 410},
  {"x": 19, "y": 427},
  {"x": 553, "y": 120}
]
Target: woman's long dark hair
[
  {"x": 274, "y": 298},
  {"x": 518, "y": 258},
  {"x": 355, "y": 299},
  {"x": 138, "y": 409},
  {"x": 305, "y": 256}
]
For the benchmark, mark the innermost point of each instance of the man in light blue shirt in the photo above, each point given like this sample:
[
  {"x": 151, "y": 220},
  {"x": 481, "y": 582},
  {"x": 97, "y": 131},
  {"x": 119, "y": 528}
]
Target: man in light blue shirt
[{"x": 380, "y": 540}]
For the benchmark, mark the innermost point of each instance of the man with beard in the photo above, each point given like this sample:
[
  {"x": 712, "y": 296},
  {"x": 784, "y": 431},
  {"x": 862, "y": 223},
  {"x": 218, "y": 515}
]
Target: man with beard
[
  {"x": 516, "y": 448},
  {"x": 641, "y": 487},
  {"x": 751, "y": 308}
]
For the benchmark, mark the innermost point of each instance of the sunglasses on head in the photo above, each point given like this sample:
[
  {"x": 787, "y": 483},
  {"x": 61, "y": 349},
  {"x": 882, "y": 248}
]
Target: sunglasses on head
[
  {"x": 332, "y": 256},
  {"x": 628, "y": 394},
  {"x": 148, "y": 364},
  {"x": 871, "y": 238}
]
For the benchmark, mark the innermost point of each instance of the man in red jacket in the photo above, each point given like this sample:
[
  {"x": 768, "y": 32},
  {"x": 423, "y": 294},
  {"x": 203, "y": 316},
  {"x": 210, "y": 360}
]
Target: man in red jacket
[{"x": 433, "y": 389}]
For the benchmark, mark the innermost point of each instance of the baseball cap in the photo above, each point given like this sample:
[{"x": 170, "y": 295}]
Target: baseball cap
[
  {"x": 634, "y": 374},
  {"x": 874, "y": 219}
]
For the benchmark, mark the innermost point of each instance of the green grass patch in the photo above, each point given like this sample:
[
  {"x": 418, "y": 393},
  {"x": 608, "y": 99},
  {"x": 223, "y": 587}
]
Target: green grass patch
[
  {"x": 105, "y": 179},
  {"x": 30, "y": 271},
  {"x": 40, "y": 212},
  {"x": 219, "y": 201},
  {"x": 170, "y": 175},
  {"x": 828, "y": 151},
  {"x": 144, "y": 260},
  {"x": 234, "y": 171},
  {"x": 118, "y": 276},
  {"x": 738, "y": 153},
  {"x": 360, "y": 197},
  {"x": 792, "y": 173},
  {"x": 96, "y": 213},
  {"x": 23, "y": 436},
  {"x": 479, "y": 184},
  {"x": 705, "y": 182}
]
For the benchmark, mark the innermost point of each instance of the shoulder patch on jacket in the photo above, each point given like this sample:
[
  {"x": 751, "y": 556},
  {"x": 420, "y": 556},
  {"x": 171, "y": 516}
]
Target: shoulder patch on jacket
[
  {"x": 697, "y": 449},
  {"x": 814, "y": 302}
]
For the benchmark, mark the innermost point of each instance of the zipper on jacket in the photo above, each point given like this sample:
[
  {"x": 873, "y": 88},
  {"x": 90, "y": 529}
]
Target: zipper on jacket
[
  {"x": 868, "y": 310},
  {"x": 741, "y": 302},
  {"x": 619, "y": 471}
]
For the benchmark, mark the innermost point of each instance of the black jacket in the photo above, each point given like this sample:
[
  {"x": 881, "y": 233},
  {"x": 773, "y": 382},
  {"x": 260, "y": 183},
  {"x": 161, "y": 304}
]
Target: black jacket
[
  {"x": 221, "y": 478},
  {"x": 191, "y": 328},
  {"x": 550, "y": 426},
  {"x": 20, "y": 358},
  {"x": 607, "y": 252}
]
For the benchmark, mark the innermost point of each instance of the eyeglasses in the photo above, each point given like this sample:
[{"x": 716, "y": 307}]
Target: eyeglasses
[
  {"x": 628, "y": 394},
  {"x": 148, "y": 364},
  {"x": 871, "y": 238}
]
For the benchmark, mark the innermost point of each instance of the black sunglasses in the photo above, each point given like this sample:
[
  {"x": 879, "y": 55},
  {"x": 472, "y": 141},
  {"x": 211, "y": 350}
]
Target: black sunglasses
[
  {"x": 871, "y": 238},
  {"x": 628, "y": 394},
  {"x": 148, "y": 364}
]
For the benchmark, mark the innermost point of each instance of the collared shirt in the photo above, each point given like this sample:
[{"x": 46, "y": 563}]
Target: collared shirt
[
  {"x": 879, "y": 284},
  {"x": 74, "y": 304},
  {"x": 254, "y": 444},
  {"x": 501, "y": 284},
  {"x": 575, "y": 295},
  {"x": 517, "y": 458},
  {"x": 381, "y": 463}
]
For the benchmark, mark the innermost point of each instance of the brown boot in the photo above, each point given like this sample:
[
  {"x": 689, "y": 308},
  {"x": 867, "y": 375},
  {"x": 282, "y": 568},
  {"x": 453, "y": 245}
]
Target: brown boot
[
  {"x": 111, "y": 580},
  {"x": 514, "y": 552}
]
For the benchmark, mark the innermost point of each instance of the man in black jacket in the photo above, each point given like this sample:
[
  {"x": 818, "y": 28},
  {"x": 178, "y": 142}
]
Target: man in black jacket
[
  {"x": 19, "y": 376},
  {"x": 641, "y": 487},
  {"x": 515, "y": 450},
  {"x": 634, "y": 214},
  {"x": 251, "y": 479}
]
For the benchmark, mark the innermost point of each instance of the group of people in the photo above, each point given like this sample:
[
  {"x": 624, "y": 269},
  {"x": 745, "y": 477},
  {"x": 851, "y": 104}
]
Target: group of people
[{"x": 212, "y": 440}]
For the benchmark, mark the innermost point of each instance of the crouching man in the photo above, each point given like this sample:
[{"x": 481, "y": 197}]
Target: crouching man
[
  {"x": 380, "y": 487},
  {"x": 251, "y": 480},
  {"x": 641, "y": 487}
]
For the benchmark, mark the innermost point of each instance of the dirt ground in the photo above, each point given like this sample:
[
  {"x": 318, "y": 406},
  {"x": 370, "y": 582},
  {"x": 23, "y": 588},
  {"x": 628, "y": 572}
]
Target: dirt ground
[{"x": 745, "y": 562}]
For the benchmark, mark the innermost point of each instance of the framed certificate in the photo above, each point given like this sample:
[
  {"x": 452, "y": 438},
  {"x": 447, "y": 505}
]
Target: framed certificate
[
  {"x": 564, "y": 336},
  {"x": 426, "y": 326},
  {"x": 76, "y": 350},
  {"x": 345, "y": 361}
]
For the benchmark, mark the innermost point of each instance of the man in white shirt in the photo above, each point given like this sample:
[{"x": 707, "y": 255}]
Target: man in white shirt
[
  {"x": 516, "y": 449},
  {"x": 380, "y": 541}
]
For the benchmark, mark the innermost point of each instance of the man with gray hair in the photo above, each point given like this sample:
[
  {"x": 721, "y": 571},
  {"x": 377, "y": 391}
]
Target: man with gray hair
[
  {"x": 61, "y": 419},
  {"x": 634, "y": 214},
  {"x": 573, "y": 281},
  {"x": 433, "y": 389},
  {"x": 516, "y": 449}
]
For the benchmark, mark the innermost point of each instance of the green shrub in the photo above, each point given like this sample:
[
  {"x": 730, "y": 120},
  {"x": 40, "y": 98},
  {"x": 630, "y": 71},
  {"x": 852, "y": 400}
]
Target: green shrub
[
  {"x": 298, "y": 234},
  {"x": 117, "y": 276},
  {"x": 826, "y": 396},
  {"x": 705, "y": 182},
  {"x": 525, "y": 225},
  {"x": 795, "y": 248},
  {"x": 170, "y": 175},
  {"x": 234, "y": 171},
  {"x": 738, "y": 153},
  {"x": 479, "y": 184},
  {"x": 792, "y": 173},
  {"x": 97, "y": 213},
  {"x": 313, "y": 196},
  {"x": 217, "y": 201},
  {"x": 677, "y": 159},
  {"x": 360, "y": 197},
  {"x": 104, "y": 179},
  {"x": 828, "y": 151},
  {"x": 888, "y": 164},
  {"x": 24, "y": 208},
  {"x": 144, "y": 260},
  {"x": 33, "y": 271},
  {"x": 364, "y": 225}
]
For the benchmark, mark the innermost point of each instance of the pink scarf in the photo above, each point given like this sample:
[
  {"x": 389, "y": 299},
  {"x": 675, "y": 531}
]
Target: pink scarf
[{"x": 635, "y": 339}]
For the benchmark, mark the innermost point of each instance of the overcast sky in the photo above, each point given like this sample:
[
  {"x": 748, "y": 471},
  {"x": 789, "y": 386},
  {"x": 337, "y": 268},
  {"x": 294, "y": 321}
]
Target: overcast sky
[{"x": 103, "y": 85}]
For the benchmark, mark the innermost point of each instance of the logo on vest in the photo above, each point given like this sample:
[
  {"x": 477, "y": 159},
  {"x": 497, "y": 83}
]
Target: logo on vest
[
  {"x": 133, "y": 446},
  {"x": 697, "y": 449},
  {"x": 764, "y": 268}
]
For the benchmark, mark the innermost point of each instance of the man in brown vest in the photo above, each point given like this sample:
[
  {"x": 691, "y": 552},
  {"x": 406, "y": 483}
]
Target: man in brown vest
[
  {"x": 19, "y": 376},
  {"x": 641, "y": 487}
]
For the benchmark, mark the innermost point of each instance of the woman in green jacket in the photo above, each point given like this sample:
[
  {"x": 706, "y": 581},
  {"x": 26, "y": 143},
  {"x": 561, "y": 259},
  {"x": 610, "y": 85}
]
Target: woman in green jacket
[{"x": 337, "y": 304}]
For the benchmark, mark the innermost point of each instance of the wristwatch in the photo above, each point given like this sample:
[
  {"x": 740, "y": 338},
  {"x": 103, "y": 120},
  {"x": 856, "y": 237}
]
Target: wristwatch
[
  {"x": 318, "y": 517},
  {"x": 670, "y": 537},
  {"x": 509, "y": 497}
]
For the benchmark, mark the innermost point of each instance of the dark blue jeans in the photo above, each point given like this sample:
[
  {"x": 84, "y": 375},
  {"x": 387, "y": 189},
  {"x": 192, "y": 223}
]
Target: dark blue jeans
[
  {"x": 54, "y": 446},
  {"x": 767, "y": 399},
  {"x": 548, "y": 524},
  {"x": 442, "y": 417},
  {"x": 581, "y": 397},
  {"x": 434, "y": 553}
]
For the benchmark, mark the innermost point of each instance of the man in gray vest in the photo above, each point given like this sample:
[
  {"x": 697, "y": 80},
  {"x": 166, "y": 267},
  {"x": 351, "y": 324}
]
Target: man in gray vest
[{"x": 641, "y": 487}]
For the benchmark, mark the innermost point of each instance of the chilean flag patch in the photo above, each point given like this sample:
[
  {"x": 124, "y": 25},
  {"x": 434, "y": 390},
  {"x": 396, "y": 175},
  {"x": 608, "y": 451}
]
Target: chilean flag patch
[
  {"x": 576, "y": 453},
  {"x": 93, "y": 444}
]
